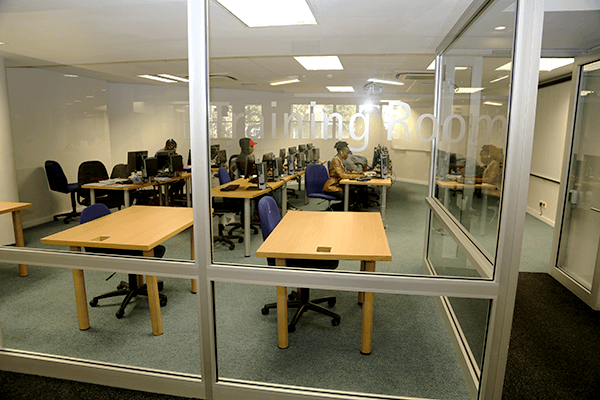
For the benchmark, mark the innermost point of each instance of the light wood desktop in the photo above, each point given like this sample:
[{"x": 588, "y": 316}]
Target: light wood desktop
[
  {"x": 383, "y": 183},
  {"x": 126, "y": 188},
  {"x": 135, "y": 228},
  {"x": 242, "y": 192},
  {"x": 486, "y": 188},
  {"x": 15, "y": 208},
  {"x": 317, "y": 235}
]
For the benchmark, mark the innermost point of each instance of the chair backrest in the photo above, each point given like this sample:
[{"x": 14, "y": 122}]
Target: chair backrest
[
  {"x": 93, "y": 212},
  {"x": 119, "y": 171},
  {"x": 56, "y": 177},
  {"x": 269, "y": 216},
  {"x": 233, "y": 170},
  {"x": 316, "y": 175},
  {"x": 91, "y": 171},
  {"x": 224, "y": 176}
]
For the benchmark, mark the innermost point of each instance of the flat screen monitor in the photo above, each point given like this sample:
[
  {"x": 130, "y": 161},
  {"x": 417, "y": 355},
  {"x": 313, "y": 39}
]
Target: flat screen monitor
[
  {"x": 302, "y": 148},
  {"x": 384, "y": 164},
  {"x": 163, "y": 158},
  {"x": 150, "y": 167},
  {"x": 310, "y": 146},
  {"x": 292, "y": 150},
  {"x": 315, "y": 155},
  {"x": 290, "y": 163},
  {"x": 261, "y": 171},
  {"x": 222, "y": 157},
  {"x": 214, "y": 151},
  {"x": 175, "y": 163},
  {"x": 135, "y": 160},
  {"x": 189, "y": 157},
  {"x": 376, "y": 152},
  {"x": 282, "y": 153},
  {"x": 301, "y": 161},
  {"x": 268, "y": 157},
  {"x": 278, "y": 167}
]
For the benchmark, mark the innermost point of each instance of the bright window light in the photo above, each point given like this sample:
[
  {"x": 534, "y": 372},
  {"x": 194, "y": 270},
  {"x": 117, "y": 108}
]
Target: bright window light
[
  {"x": 468, "y": 89},
  {"x": 174, "y": 77},
  {"x": 259, "y": 13},
  {"x": 320, "y": 63},
  {"x": 375, "y": 80},
  {"x": 157, "y": 78},
  {"x": 341, "y": 89},
  {"x": 546, "y": 64},
  {"x": 492, "y": 103},
  {"x": 285, "y": 82}
]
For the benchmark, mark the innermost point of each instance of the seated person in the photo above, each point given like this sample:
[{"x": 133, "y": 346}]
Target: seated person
[
  {"x": 337, "y": 172},
  {"x": 175, "y": 188},
  {"x": 246, "y": 164},
  {"x": 491, "y": 157},
  {"x": 356, "y": 162}
]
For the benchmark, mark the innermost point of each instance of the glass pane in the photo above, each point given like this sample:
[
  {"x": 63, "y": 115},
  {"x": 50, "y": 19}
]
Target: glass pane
[
  {"x": 581, "y": 233},
  {"x": 412, "y": 354},
  {"x": 473, "y": 122}
]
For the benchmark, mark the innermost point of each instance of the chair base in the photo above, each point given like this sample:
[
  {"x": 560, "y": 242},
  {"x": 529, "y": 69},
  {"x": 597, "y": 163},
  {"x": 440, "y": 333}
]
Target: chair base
[
  {"x": 68, "y": 216},
  {"x": 303, "y": 303},
  {"x": 129, "y": 290},
  {"x": 227, "y": 238},
  {"x": 237, "y": 225}
]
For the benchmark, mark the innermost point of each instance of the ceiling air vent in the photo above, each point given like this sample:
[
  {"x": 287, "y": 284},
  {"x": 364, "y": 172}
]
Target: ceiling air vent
[{"x": 416, "y": 76}]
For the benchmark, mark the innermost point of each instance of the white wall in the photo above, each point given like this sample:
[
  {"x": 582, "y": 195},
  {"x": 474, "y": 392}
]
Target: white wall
[{"x": 548, "y": 148}]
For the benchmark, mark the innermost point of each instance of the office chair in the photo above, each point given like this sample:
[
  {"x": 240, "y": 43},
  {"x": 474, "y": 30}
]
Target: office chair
[
  {"x": 269, "y": 218},
  {"x": 233, "y": 204},
  {"x": 315, "y": 177},
  {"x": 233, "y": 171},
  {"x": 119, "y": 171},
  {"x": 91, "y": 172},
  {"x": 58, "y": 183},
  {"x": 128, "y": 289},
  {"x": 221, "y": 208}
]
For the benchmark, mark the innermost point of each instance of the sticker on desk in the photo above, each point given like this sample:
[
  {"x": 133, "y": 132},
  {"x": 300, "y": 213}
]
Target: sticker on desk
[
  {"x": 322, "y": 249},
  {"x": 100, "y": 238}
]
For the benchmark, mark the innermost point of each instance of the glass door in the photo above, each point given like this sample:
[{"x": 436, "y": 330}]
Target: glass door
[{"x": 577, "y": 238}]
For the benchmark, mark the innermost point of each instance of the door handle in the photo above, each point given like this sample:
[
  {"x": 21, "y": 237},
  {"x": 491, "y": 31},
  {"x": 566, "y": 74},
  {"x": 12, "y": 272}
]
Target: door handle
[{"x": 595, "y": 209}]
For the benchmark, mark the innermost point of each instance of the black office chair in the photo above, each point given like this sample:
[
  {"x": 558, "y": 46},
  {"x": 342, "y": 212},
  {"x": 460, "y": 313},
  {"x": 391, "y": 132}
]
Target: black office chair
[
  {"x": 58, "y": 183},
  {"x": 129, "y": 289},
  {"x": 269, "y": 218},
  {"x": 119, "y": 171},
  {"x": 234, "y": 204},
  {"x": 92, "y": 172},
  {"x": 220, "y": 208}
]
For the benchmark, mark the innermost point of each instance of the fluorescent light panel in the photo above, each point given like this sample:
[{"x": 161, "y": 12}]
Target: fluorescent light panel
[
  {"x": 468, "y": 89},
  {"x": 546, "y": 64},
  {"x": 341, "y": 89},
  {"x": 431, "y": 67},
  {"x": 260, "y": 13},
  {"x": 320, "y": 63},
  {"x": 499, "y": 79},
  {"x": 492, "y": 103},
  {"x": 173, "y": 77},
  {"x": 285, "y": 82},
  {"x": 157, "y": 78},
  {"x": 375, "y": 80}
]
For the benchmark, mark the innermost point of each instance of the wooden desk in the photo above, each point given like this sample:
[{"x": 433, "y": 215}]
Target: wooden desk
[
  {"x": 247, "y": 195},
  {"x": 347, "y": 235},
  {"x": 15, "y": 208},
  {"x": 135, "y": 228},
  {"x": 461, "y": 186},
  {"x": 126, "y": 188},
  {"x": 383, "y": 183}
]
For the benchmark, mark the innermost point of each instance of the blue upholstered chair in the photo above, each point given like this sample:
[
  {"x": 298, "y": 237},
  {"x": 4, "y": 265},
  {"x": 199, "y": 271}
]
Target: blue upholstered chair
[
  {"x": 315, "y": 177},
  {"x": 128, "y": 289},
  {"x": 269, "y": 218},
  {"x": 57, "y": 180}
]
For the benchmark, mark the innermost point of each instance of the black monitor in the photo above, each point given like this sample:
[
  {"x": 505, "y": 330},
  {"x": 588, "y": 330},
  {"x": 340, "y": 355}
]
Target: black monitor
[
  {"x": 292, "y": 150},
  {"x": 163, "y": 158},
  {"x": 175, "y": 163},
  {"x": 214, "y": 151},
  {"x": 150, "y": 167},
  {"x": 315, "y": 154},
  {"x": 301, "y": 161},
  {"x": 135, "y": 160},
  {"x": 222, "y": 157},
  {"x": 384, "y": 159},
  {"x": 282, "y": 153},
  {"x": 291, "y": 158},
  {"x": 310, "y": 146},
  {"x": 261, "y": 171},
  {"x": 302, "y": 148},
  {"x": 189, "y": 157},
  {"x": 268, "y": 157},
  {"x": 278, "y": 167}
]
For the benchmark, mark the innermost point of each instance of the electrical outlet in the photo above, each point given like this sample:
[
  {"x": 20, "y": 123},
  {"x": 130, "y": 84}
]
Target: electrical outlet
[{"x": 542, "y": 204}]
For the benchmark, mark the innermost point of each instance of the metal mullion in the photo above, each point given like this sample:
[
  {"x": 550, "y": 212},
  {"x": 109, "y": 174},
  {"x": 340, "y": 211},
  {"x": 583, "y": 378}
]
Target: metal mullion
[
  {"x": 88, "y": 261},
  {"x": 355, "y": 281}
]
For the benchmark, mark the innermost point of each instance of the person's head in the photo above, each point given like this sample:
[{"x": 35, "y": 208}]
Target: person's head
[
  {"x": 489, "y": 153},
  {"x": 342, "y": 149},
  {"x": 247, "y": 145},
  {"x": 171, "y": 144}
]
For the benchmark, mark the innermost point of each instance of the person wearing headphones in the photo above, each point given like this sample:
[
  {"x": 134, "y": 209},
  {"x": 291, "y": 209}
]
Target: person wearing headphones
[
  {"x": 170, "y": 145},
  {"x": 337, "y": 172}
]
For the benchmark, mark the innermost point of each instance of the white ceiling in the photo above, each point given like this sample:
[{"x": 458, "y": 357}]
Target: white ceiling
[{"x": 116, "y": 40}]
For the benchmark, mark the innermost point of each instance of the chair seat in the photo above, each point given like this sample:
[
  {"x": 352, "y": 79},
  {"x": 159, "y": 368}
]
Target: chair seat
[
  {"x": 322, "y": 196},
  {"x": 71, "y": 187}
]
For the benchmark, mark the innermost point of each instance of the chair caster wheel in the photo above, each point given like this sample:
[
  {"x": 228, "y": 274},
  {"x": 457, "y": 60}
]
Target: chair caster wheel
[
  {"x": 291, "y": 328},
  {"x": 241, "y": 240},
  {"x": 331, "y": 303},
  {"x": 163, "y": 302},
  {"x": 291, "y": 296},
  {"x": 120, "y": 287},
  {"x": 55, "y": 219},
  {"x": 232, "y": 247},
  {"x": 94, "y": 303},
  {"x": 120, "y": 313},
  {"x": 66, "y": 221},
  {"x": 264, "y": 311},
  {"x": 335, "y": 322}
]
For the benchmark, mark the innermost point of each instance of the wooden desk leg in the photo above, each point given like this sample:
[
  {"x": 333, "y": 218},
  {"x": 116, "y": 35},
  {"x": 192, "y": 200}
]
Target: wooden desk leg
[
  {"x": 19, "y": 239},
  {"x": 194, "y": 282},
  {"x": 366, "y": 337},
  {"x": 80, "y": 297},
  {"x": 282, "y": 316},
  {"x": 153, "y": 300},
  {"x": 361, "y": 295}
]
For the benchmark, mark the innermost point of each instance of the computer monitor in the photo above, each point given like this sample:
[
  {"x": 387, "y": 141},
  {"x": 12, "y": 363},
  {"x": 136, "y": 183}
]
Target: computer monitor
[
  {"x": 261, "y": 171},
  {"x": 189, "y": 157},
  {"x": 150, "y": 168},
  {"x": 135, "y": 160},
  {"x": 376, "y": 152},
  {"x": 278, "y": 168},
  {"x": 292, "y": 150},
  {"x": 315, "y": 155},
  {"x": 282, "y": 153},
  {"x": 302, "y": 148},
  {"x": 163, "y": 158},
  {"x": 222, "y": 158},
  {"x": 175, "y": 163},
  {"x": 268, "y": 157},
  {"x": 214, "y": 151},
  {"x": 291, "y": 160},
  {"x": 310, "y": 146},
  {"x": 301, "y": 161},
  {"x": 384, "y": 158}
]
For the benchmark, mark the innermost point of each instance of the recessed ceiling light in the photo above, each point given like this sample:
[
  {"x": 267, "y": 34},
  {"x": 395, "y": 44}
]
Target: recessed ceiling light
[
  {"x": 340, "y": 89},
  {"x": 546, "y": 64},
  {"x": 284, "y": 82},
  {"x": 157, "y": 78},
  {"x": 375, "y": 80},
  {"x": 492, "y": 103},
  {"x": 173, "y": 77},
  {"x": 89, "y": 97},
  {"x": 71, "y": 76},
  {"x": 499, "y": 79},
  {"x": 1, "y": 43},
  {"x": 585, "y": 92},
  {"x": 320, "y": 63},
  {"x": 500, "y": 28},
  {"x": 259, "y": 13},
  {"x": 468, "y": 89}
]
